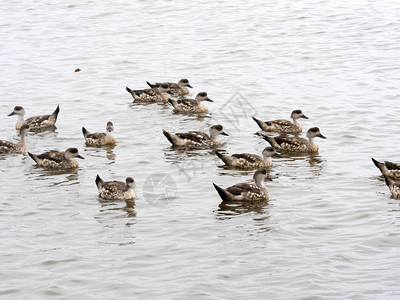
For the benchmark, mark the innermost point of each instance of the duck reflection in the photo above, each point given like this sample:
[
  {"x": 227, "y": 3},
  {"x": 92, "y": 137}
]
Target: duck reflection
[
  {"x": 314, "y": 163},
  {"x": 194, "y": 116},
  {"x": 188, "y": 168},
  {"x": 229, "y": 209},
  {"x": 97, "y": 151},
  {"x": 110, "y": 152},
  {"x": 115, "y": 205},
  {"x": 45, "y": 174},
  {"x": 180, "y": 154}
]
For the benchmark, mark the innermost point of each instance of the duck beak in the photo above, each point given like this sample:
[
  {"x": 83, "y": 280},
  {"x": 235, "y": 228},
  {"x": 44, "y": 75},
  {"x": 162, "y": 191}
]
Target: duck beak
[
  {"x": 189, "y": 86},
  {"x": 276, "y": 155},
  {"x": 209, "y": 100},
  {"x": 80, "y": 157},
  {"x": 109, "y": 129},
  {"x": 268, "y": 179},
  {"x": 304, "y": 117},
  {"x": 13, "y": 113},
  {"x": 126, "y": 188},
  {"x": 169, "y": 92},
  {"x": 321, "y": 136},
  {"x": 224, "y": 133}
]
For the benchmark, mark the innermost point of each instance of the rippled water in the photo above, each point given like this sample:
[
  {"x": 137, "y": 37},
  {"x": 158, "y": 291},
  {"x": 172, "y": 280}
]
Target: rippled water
[{"x": 330, "y": 229}]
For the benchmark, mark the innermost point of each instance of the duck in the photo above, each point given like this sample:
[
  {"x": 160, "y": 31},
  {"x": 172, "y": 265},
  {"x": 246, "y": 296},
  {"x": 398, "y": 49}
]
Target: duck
[
  {"x": 191, "y": 105},
  {"x": 116, "y": 190},
  {"x": 176, "y": 88},
  {"x": 388, "y": 169},
  {"x": 246, "y": 191},
  {"x": 156, "y": 94},
  {"x": 38, "y": 122},
  {"x": 20, "y": 147},
  {"x": 249, "y": 161},
  {"x": 100, "y": 138},
  {"x": 57, "y": 159},
  {"x": 296, "y": 144},
  {"x": 196, "y": 138},
  {"x": 394, "y": 187},
  {"x": 283, "y": 126}
]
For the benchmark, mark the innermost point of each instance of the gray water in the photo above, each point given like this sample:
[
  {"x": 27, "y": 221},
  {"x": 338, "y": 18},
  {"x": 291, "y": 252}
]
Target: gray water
[{"x": 330, "y": 229}]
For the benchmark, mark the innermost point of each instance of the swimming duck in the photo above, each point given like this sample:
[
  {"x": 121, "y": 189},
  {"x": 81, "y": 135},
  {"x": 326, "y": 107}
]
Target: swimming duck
[
  {"x": 39, "y": 122},
  {"x": 283, "y": 126},
  {"x": 100, "y": 138},
  {"x": 191, "y": 105},
  {"x": 8, "y": 147},
  {"x": 388, "y": 169},
  {"x": 296, "y": 144},
  {"x": 249, "y": 161},
  {"x": 246, "y": 191},
  {"x": 394, "y": 187},
  {"x": 116, "y": 190},
  {"x": 157, "y": 94},
  {"x": 57, "y": 159},
  {"x": 196, "y": 138},
  {"x": 176, "y": 88}
]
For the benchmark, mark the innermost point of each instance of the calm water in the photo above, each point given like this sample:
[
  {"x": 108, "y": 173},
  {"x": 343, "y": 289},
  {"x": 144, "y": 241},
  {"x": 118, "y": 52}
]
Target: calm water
[{"x": 330, "y": 229}]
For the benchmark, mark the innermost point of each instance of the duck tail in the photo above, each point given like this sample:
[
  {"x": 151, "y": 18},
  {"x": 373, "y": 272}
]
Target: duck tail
[
  {"x": 174, "y": 103},
  {"x": 85, "y": 132},
  {"x": 225, "y": 195},
  {"x": 129, "y": 90},
  {"x": 54, "y": 115},
  {"x": 260, "y": 123},
  {"x": 151, "y": 85},
  {"x": 389, "y": 165},
  {"x": 271, "y": 140},
  {"x": 222, "y": 157},
  {"x": 169, "y": 136},
  {"x": 134, "y": 94},
  {"x": 388, "y": 182},
  {"x": 380, "y": 166},
  {"x": 99, "y": 182},
  {"x": 33, "y": 156}
]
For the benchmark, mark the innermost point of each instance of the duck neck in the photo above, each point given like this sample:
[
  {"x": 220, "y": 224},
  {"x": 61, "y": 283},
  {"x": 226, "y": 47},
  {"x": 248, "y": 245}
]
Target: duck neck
[
  {"x": 20, "y": 118},
  {"x": 22, "y": 141},
  {"x": 260, "y": 185},
  {"x": 267, "y": 159},
  {"x": 296, "y": 122},
  {"x": 312, "y": 142},
  {"x": 214, "y": 138}
]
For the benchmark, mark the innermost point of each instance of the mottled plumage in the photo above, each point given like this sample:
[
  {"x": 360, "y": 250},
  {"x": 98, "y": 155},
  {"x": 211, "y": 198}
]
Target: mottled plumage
[
  {"x": 283, "y": 126},
  {"x": 196, "y": 138},
  {"x": 388, "y": 169},
  {"x": 246, "y": 191},
  {"x": 191, "y": 105},
  {"x": 394, "y": 187},
  {"x": 116, "y": 190},
  {"x": 100, "y": 138},
  {"x": 39, "y": 122},
  {"x": 296, "y": 144},
  {"x": 249, "y": 161},
  {"x": 176, "y": 88},
  {"x": 157, "y": 94},
  {"x": 20, "y": 147},
  {"x": 57, "y": 159}
]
